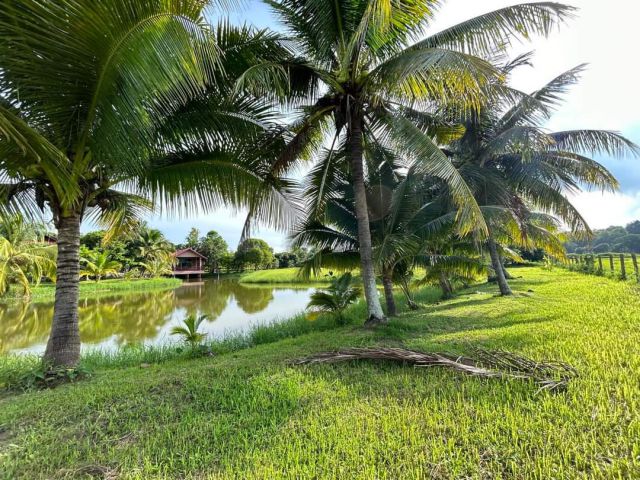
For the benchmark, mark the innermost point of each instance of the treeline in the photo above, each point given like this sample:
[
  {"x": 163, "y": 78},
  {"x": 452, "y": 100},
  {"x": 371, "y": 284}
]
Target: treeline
[
  {"x": 612, "y": 239},
  {"x": 148, "y": 248},
  {"x": 251, "y": 254}
]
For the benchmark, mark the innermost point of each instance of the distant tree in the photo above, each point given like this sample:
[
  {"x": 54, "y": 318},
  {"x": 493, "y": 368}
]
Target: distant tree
[
  {"x": 611, "y": 239},
  {"x": 633, "y": 227},
  {"x": 628, "y": 244},
  {"x": 227, "y": 262},
  {"x": 193, "y": 238},
  {"x": 157, "y": 267},
  {"x": 92, "y": 240},
  {"x": 286, "y": 259},
  {"x": 255, "y": 252},
  {"x": 602, "y": 248},
  {"x": 17, "y": 229},
  {"x": 98, "y": 265},
  {"x": 212, "y": 246},
  {"x": 152, "y": 244}
]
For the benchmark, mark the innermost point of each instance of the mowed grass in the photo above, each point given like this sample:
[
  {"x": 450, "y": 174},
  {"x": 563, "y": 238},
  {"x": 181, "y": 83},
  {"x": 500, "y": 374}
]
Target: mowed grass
[
  {"x": 281, "y": 275},
  {"x": 88, "y": 289},
  {"x": 251, "y": 414}
]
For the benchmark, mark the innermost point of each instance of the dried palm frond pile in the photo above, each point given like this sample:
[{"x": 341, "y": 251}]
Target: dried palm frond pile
[{"x": 553, "y": 376}]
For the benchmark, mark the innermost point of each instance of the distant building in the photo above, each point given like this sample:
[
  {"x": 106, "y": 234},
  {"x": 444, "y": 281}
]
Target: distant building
[
  {"x": 49, "y": 239},
  {"x": 189, "y": 263}
]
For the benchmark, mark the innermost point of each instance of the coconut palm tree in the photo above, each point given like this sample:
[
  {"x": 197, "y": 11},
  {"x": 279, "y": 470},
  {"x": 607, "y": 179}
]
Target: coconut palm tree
[
  {"x": 152, "y": 244},
  {"x": 99, "y": 265},
  {"x": 110, "y": 107},
  {"x": 156, "y": 267},
  {"x": 514, "y": 164},
  {"x": 335, "y": 298},
  {"x": 188, "y": 331},
  {"x": 408, "y": 226},
  {"x": 24, "y": 259},
  {"x": 25, "y": 263},
  {"x": 367, "y": 79}
]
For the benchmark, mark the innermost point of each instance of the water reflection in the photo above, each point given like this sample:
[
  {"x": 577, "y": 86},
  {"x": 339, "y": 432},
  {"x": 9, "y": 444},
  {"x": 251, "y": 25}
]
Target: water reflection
[{"x": 109, "y": 322}]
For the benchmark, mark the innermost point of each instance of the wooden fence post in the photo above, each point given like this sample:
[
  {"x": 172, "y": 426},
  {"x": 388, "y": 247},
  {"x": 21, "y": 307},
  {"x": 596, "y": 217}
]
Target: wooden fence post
[
  {"x": 634, "y": 259},
  {"x": 623, "y": 268},
  {"x": 611, "y": 262},
  {"x": 600, "y": 268}
]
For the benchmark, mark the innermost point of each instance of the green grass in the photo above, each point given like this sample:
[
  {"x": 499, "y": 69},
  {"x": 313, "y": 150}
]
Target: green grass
[
  {"x": 251, "y": 414},
  {"x": 88, "y": 289},
  {"x": 280, "y": 275}
]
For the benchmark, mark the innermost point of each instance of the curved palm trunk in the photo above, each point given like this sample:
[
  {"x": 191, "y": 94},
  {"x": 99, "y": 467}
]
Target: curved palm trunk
[
  {"x": 445, "y": 286},
  {"x": 497, "y": 267},
  {"x": 407, "y": 293},
  {"x": 374, "y": 309},
  {"x": 506, "y": 273},
  {"x": 63, "y": 347},
  {"x": 392, "y": 310}
]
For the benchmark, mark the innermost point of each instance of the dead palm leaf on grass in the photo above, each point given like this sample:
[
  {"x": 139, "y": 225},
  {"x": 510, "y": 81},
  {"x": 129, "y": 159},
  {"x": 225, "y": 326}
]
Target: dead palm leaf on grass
[{"x": 552, "y": 376}]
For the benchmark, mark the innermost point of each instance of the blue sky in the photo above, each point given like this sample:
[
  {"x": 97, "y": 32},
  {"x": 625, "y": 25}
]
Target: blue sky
[{"x": 606, "y": 98}]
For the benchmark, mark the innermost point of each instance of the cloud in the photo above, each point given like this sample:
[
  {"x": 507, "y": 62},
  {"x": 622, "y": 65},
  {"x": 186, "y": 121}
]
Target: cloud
[{"x": 602, "y": 210}]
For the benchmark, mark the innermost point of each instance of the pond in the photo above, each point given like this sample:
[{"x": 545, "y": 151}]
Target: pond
[{"x": 110, "y": 322}]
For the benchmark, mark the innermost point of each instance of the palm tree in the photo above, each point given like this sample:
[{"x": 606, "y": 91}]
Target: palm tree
[
  {"x": 189, "y": 330},
  {"x": 157, "y": 267},
  {"x": 25, "y": 263},
  {"x": 152, "y": 244},
  {"x": 366, "y": 82},
  {"x": 109, "y": 107},
  {"x": 335, "y": 298},
  {"x": 99, "y": 265},
  {"x": 408, "y": 227},
  {"x": 514, "y": 165}
]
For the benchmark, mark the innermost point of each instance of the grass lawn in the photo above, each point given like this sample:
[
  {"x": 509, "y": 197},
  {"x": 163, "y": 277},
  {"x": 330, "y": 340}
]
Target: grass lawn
[
  {"x": 46, "y": 291},
  {"x": 280, "y": 275},
  {"x": 250, "y": 414}
]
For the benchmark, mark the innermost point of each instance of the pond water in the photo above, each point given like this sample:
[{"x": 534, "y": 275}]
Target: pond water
[{"x": 113, "y": 321}]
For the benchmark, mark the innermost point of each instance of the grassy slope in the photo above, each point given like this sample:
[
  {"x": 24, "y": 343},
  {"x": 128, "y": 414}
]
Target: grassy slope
[
  {"x": 280, "y": 275},
  {"x": 249, "y": 414},
  {"x": 46, "y": 291}
]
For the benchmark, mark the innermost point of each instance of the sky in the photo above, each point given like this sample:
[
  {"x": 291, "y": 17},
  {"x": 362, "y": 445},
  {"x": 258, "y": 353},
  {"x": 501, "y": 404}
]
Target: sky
[{"x": 603, "y": 35}]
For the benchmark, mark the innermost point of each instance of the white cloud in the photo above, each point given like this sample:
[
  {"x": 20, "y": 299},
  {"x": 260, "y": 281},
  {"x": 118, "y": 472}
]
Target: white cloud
[
  {"x": 602, "y": 210},
  {"x": 602, "y": 35}
]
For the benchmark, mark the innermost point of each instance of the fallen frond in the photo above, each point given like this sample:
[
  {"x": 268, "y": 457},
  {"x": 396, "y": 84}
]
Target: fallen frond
[{"x": 499, "y": 364}]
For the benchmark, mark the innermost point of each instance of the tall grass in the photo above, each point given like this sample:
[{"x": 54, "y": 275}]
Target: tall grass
[
  {"x": 91, "y": 289},
  {"x": 281, "y": 275}
]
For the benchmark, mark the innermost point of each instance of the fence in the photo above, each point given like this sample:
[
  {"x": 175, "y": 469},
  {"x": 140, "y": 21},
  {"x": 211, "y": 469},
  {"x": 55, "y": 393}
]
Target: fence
[{"x": 619, "y": 265}]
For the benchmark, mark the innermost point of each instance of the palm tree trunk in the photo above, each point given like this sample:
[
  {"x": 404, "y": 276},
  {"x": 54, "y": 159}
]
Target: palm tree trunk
[
  {"x": 407, "y": 293},
  {"x": 497, "y": 267},
  {"x": 374, "y": 309},
  {"x": 63, "y": 347},
  {"x": 392, "y": 310},
  {"x": 445, "y": 286},
  {"x": 506, "y": 273}
]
